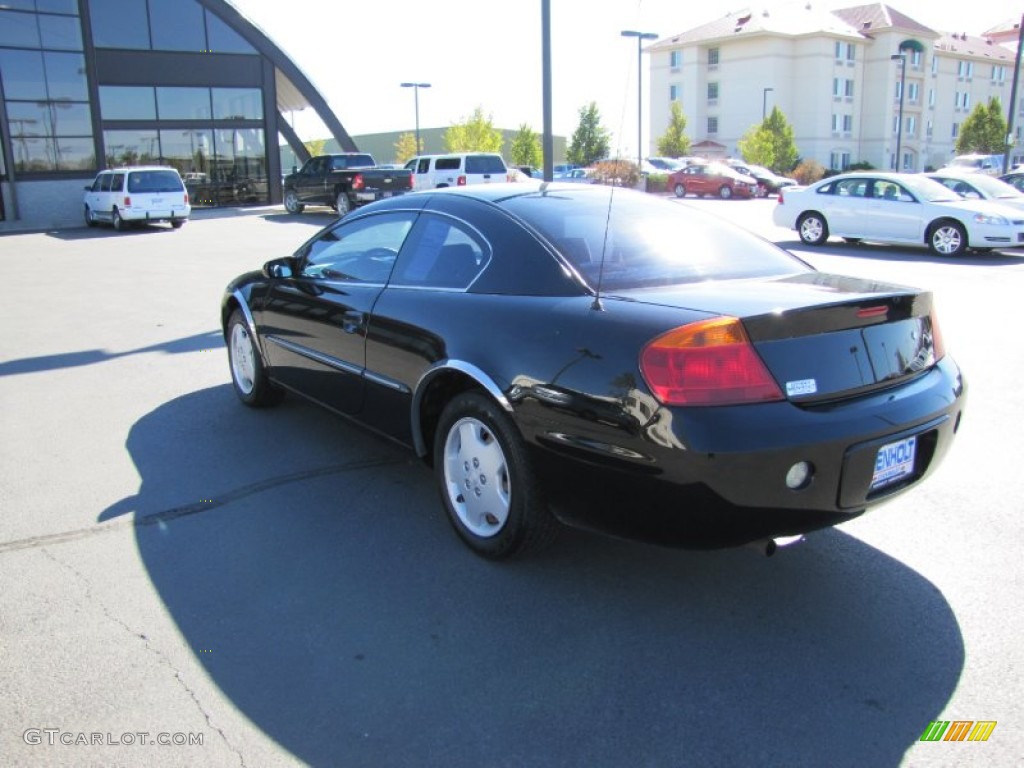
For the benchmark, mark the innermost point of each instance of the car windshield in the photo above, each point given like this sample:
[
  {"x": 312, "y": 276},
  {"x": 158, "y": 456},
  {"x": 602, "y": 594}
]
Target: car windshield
[
  {"x": 992, "y": 187},
  {"x": 927, "y": 189},
  {"x": 154, "y": 181},
  {"x": 624, "y": 239}
]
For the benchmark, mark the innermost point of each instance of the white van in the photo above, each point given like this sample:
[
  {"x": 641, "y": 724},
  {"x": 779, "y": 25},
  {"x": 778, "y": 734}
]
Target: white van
[
  {"x": 141, "y": 193},
  {"x": 457, "y": 170}
]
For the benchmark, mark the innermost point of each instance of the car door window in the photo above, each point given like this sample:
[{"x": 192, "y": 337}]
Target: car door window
[
  {"x": 442, "y": 253},
  {"x": 103, "y": 182},
  {"x": 117, "y": 182},
  {"x": 361, "y": 251}
]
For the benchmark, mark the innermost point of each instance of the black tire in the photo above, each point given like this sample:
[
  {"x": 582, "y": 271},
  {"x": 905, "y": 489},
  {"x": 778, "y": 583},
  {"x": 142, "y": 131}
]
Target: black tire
[
  {"x": 291, "y": 202},
  {"x": 177, "y": 223},
  {"x": 248, "y": 374},
  {"x": 680, "y": 190},
  {"x": 90, "y": 218},
  {"x": 479, "y": 456},
  {"x": 812, "y": 228},
  {"x": 116, "y": 221},
  {"x": 725, "y": 192},
  {"x": 947, "y": 238},
  {"x": 852, "y": 240},
  {"x": 342, "y": 204}
]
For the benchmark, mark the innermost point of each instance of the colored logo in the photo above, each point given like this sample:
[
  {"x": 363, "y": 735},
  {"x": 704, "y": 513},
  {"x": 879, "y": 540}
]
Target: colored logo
[{"x": 958, "y": 730}]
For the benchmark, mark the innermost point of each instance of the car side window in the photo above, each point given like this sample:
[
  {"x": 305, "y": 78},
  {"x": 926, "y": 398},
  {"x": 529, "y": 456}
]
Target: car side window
[
  {"x": 851, "y": 188},
  {"x": 117, "y": 182},
  {"x": 362, "y": 250},
  {"x": 442, "y": 253},
  {"x": 103, "y": 182}
]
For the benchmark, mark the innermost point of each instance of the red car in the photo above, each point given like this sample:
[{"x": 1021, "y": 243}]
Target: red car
[{"x": 711, "y": 179}]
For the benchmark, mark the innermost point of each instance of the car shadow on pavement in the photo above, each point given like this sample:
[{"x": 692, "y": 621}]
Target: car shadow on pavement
[
  {"x": 197, "y": 343},
  {"x": 309, "y": 566}
]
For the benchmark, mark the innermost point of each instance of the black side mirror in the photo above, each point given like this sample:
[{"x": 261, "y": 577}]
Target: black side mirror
[
  {"x": 278, "y": 268},
  {"x": 295, "y": 169}
]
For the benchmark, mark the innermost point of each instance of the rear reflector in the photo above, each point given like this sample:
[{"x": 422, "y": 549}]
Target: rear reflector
[{"x": 710, "y": 362}]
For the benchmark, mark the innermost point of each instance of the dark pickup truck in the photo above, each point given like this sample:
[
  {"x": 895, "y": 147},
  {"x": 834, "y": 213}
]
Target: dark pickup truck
[{"x": 342, "y": 181}]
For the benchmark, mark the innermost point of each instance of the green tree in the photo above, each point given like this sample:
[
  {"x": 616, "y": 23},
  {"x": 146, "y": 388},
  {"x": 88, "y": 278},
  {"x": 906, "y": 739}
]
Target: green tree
[
  {"x": 526, "y": 148},
  {"x": 590, "y": 139},
  {"x": 770, "y": 143},
  {"x": 474, "y": 134},
  {"x": 405, "y": 147},
  {"x": 984, "y": 130},
  {"x": 674, "y": 142}
]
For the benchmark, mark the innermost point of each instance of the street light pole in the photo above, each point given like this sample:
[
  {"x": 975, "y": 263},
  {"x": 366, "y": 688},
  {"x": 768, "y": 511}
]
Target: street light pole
[
  {"x": 416, "y": 92},
  {"x": 901, "y": 57},
  {"x": 640, "y": 37},
  {"x": 764, "y": 103}
]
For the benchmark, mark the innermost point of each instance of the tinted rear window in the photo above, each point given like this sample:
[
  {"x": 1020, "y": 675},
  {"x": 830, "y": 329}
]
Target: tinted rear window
[
  {"x": 447, "y": 164},
  {"x": 627, "y": 239},
  {"x": 154, "y": 181},
  {"x": 485, "y": 164}
]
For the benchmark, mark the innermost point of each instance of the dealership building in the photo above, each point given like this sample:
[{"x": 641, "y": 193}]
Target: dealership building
[{"x": 88, "y": 84}]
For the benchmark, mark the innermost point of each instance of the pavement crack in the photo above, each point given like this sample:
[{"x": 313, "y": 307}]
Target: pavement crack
[
  {"x": 187, "y": 510},
  {"x": 148, "y": 647}
]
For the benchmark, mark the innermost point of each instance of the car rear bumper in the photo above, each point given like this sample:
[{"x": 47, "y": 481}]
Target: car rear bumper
[{"x": 718, "y": 476}]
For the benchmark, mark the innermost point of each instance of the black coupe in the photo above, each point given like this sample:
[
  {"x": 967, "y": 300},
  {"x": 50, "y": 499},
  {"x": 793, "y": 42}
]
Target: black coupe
[{"x": 597, "y": 356}]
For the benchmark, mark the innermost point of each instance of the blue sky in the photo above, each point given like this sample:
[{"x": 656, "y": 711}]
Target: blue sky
[{"x": 487, "y": 53}]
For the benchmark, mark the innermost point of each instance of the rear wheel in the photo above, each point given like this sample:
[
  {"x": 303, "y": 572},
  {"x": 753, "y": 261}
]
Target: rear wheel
[
  {"x": 680, "y": 190},
  {"x": 248, "y": 375},
  {"x": 116, "y": 220},
  {"x": 725, "y": 192},
  {"x": 812, "y": 228},
  {"x": 487, "y": 484},
  {"x": 342, "y": 203},
  {"x": 291, "y": 202},
  {"x": 947, "y": 238},
  {"x": 177, "y": 223}
]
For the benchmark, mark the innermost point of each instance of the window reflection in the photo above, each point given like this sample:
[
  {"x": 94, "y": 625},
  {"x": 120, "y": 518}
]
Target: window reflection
[
  {"x": 127, "y": 103},
  {"x": 237, "y": 104},
  {"x": 222, "y": 38},
  {"x": 119, "y": 23},
  {"x": 131, "y": 148},
  {"x": 176, "y": 25},
  {"x": 183, "y": 103}
]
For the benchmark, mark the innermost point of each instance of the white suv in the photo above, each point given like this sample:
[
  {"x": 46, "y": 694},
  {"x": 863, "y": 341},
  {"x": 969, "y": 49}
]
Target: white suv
[
  {"x": 457, "y": 170},
  {"x": 143, "y": 194}
]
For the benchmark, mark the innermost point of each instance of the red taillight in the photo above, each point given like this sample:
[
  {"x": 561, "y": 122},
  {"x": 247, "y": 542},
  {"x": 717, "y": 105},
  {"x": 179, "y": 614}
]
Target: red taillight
[
  {"x": 461, "y": 182},
  {"x": 127, "y": 202},
  {"x": 186, "y": 198},
  {"x": 780, "y": 196},
  {"x": 357, "y": 181},
  {"x": 710, "y": 362},
  {"x": 412, "y": 181}
]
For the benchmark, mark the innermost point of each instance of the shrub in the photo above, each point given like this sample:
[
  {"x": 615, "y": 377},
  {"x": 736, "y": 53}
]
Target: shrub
[
  {"x": 619, "y": 173},
  {"x": 808, "y": 172}
]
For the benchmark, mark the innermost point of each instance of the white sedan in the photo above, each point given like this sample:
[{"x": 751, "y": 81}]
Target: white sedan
[{"x": 897, "y": 208}]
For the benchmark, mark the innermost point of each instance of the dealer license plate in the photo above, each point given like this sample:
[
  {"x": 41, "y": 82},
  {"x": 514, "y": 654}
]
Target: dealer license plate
[{"x": 893, "y": 462}]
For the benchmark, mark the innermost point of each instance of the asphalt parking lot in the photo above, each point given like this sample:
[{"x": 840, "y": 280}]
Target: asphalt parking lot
[{"x": 190, "y": 582}]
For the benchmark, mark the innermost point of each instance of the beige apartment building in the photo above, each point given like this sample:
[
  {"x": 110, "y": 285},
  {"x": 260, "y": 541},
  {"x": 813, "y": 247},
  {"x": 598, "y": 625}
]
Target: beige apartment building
[{"x": 834, "y": 76}]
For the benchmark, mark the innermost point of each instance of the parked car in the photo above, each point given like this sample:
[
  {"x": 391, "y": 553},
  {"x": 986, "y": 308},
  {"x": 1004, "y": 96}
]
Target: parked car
[
  {"x": 575, "y": 175},
  {"x": 908, "y": 209},
  {"x": 560, "y": 352},
  {"x": 140, "y": 194},
  {"x": 976, "y": 163},
  {"x": 457, "y": 170},
  {"x": 979, "y": 186},
  {"x": 1015, "y": 179},
  {"x": 664, "y": 164},
  {"x": 711, "y": 179},
  {"x": 342, "y": 181},
  {"x": 768, "y": 182}
]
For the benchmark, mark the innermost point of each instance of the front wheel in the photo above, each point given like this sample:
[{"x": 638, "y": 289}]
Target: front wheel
[
  {"x": 488, "y": 487},
  {"x": 291, "y": 202},
  {"x": 248, "y": 374},
  {"x": 680, "y": 190},
  {"x": 90, "y": 217},
  {"x": 725, "y": 192},
  {"x": 947, "y": 238},
  {"x": 342, "y": 204},
  {"x": 812, "y": 228}
]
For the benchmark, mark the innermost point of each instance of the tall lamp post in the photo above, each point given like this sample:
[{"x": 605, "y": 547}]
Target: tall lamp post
[
  {"x": 416, "y": 91},
  {"x": 901, "y": 57},
  {"x": 640, "y": 37},
  {"x": 764, "y": 103}
]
